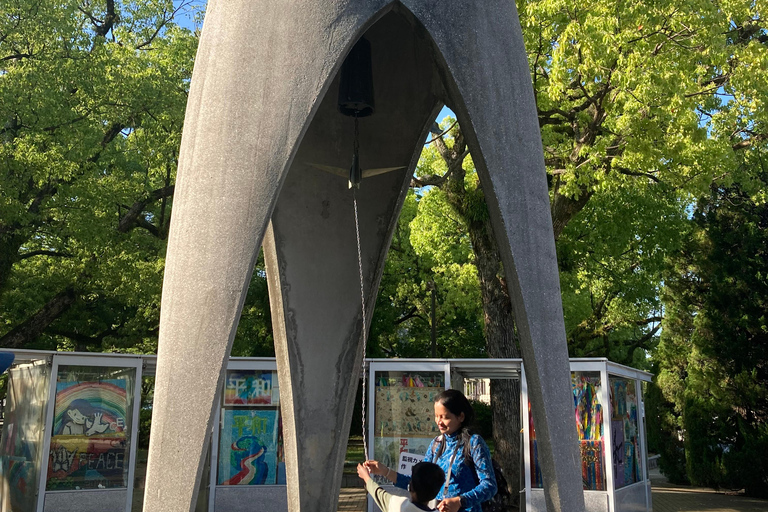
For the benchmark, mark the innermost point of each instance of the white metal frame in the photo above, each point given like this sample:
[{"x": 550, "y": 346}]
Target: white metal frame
[
  {"x": 385, "y": 365},
  {"x": 102, "y": 361},
  {"x": 257, "y": 364},
  {"x": 606, "y": 369}
]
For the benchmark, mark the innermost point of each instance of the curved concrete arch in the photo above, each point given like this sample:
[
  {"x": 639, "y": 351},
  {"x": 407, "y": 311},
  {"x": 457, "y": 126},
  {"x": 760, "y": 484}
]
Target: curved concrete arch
[
  {"x": 260, "y": 117},
  {"x": 260, "y": 71},
  {"x": 487, "y": 82}
]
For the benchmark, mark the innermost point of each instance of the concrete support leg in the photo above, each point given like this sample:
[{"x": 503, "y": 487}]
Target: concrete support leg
[{"x": 483, "y": 50}]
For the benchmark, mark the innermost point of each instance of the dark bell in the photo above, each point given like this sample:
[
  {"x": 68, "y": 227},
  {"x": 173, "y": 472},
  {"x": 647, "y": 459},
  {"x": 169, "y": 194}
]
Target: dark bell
[{"x": 356, "y": 82}]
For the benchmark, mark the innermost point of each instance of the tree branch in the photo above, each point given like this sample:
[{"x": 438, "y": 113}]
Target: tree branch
[
  {"x": 133, "y": 217},
  {"x": 34, "y": 326},
  {"x": 32, "y": 254}
]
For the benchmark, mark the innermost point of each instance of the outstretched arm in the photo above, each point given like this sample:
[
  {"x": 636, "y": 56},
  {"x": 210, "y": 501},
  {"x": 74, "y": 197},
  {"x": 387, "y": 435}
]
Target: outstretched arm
[{"x": 379, "y": 495}]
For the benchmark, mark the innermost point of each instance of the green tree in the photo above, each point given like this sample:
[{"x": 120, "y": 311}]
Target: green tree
[
  {"x": 428, "y": 251},
  {"x": 641, "y": 106},
  {"x": 92, "y": 101},
  {"x": 713, "y": 357}
]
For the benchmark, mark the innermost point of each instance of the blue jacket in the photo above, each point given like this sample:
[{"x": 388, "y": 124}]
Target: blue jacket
[{"x": 475, "y": 485}]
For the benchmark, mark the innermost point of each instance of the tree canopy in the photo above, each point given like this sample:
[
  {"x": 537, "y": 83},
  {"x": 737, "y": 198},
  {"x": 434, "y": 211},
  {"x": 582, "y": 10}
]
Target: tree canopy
[
  {"x": 92, "y": 99},
  {"x": 642, "y": 106}
]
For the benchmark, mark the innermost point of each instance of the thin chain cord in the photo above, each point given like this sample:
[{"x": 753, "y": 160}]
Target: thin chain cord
[{"x": 365, "y": 323}]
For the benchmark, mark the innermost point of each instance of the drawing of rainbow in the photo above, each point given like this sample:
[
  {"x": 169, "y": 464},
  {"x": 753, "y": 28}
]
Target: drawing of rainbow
[{"x": 107, "y": 396}]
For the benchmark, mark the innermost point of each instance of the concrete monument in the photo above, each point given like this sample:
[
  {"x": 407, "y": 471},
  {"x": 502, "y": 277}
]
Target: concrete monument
[{"x": 262, "y": 128}]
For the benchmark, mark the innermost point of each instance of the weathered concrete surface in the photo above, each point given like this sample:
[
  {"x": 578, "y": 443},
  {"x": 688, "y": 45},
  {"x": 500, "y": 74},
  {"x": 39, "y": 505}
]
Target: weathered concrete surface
[
  {"x": 311, "y": 254},
  {"x": 257, "y": 116}
]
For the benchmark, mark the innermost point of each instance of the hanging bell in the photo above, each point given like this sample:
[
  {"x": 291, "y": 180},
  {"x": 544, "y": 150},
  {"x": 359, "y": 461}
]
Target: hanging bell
[{"x": 356, "y": 82}]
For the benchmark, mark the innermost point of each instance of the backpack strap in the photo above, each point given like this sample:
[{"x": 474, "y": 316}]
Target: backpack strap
[{"x": 450, "y": 467}]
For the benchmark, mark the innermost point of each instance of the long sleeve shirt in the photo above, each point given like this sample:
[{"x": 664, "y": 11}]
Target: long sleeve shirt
[
  {"x": 389, "y": 502},
  {"x": 474, "y": 485}
]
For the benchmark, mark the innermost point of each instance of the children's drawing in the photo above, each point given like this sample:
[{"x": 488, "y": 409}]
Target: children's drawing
[
  {"x": 248, "y": 447},
  {"x": 250, "y": 387},
  {"x": 405, "y": 413},
  {"x": 89, "y": 445}
]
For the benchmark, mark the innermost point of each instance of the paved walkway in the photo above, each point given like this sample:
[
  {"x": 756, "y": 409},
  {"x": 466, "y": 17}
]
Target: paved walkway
[
  {"x": 681, "y": 498},
  {"x": 666, "y": 498}
]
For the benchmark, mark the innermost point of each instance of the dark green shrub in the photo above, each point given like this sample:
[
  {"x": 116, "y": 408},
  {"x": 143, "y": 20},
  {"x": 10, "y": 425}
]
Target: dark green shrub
[
  {"x": 483, "y": 423},
  {"x": 664, "y": 435}
]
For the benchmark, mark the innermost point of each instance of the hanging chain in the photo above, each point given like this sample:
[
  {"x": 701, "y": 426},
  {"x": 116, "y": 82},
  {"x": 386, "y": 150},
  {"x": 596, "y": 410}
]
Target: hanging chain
[{"x": 365, "y": 323}]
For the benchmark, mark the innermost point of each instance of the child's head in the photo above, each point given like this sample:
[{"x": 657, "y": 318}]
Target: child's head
[
  {"x": 79, "y": 410},
  {"x": 426, "y": 481}
]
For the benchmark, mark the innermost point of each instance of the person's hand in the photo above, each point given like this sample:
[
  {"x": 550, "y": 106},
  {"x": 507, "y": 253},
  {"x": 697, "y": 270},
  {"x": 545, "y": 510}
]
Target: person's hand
[
  {"x": 376, "y": 467},
  {"x": 363, "y": 473},
  {"x": 449, "y": 505},
  {"x": 97, "y": 427}
]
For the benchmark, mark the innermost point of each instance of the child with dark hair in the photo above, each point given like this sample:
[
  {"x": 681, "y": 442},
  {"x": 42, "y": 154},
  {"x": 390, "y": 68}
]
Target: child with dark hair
[
  {"x": 426, "y": 480},
  {"x": 82, "y": 418},
  {"x": 461, "y": 454}
]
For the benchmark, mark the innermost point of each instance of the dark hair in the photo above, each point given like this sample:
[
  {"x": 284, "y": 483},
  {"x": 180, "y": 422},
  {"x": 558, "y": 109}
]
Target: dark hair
[
  {"x": 455, "y": 401},
  {"x": 426, "y": 481},
  {"x": 82, "y": 405}
]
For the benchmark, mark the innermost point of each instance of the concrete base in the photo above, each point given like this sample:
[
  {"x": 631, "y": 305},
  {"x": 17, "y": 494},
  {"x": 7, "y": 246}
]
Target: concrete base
[
  {"x": 86, "y": 500},
  {"x": 249, "y": 498}
]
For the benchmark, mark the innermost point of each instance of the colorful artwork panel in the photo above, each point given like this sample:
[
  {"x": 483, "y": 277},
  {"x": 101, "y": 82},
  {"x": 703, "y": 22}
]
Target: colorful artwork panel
[
  {"x": 406, "y": 412},
  {"x": 592, "y": 458},
  {"x": 81, "y": 462},
  {"x": 251, "y": 387},
  {"x": 248, "y": 447},
  {"x": 588, "y": 412},
  {"x": 90, "y": 408},
  {"x": 404, "y": 404},
  {"x": 586, "y": 402},
  {"x": 89, "y": 446}
]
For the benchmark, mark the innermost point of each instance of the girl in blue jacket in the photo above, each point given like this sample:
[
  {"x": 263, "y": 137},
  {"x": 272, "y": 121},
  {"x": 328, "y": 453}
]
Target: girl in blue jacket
[{"x": 462, "y": 455}]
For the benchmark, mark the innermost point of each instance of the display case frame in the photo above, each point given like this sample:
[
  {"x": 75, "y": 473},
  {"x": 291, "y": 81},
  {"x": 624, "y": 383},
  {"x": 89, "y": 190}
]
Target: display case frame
[
  {"x": 378, "y": 366},
  {"x": 90, "y": 500},
  {"x": 633, "y": 497},
  {"x": 241, "y": 498}
]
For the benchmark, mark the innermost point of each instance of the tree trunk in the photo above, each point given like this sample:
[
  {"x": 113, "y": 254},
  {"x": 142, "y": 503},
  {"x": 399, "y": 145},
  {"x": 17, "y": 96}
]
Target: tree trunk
[
  {"x": 501, "y": 342},
  {"x": 500, "y": 332},
  {"x": 27, "y": 331}
]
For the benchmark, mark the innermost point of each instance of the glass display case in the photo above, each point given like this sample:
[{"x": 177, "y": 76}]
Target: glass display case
[
  {"x": 611, "y": 444},
  {"x": 71, "y": 430},
  {"x": 247, "y": 460},
  {"x": 90, "y": 443},
  {"x": 401, "y": 414},
  {"x": 249, "y": 437}
]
